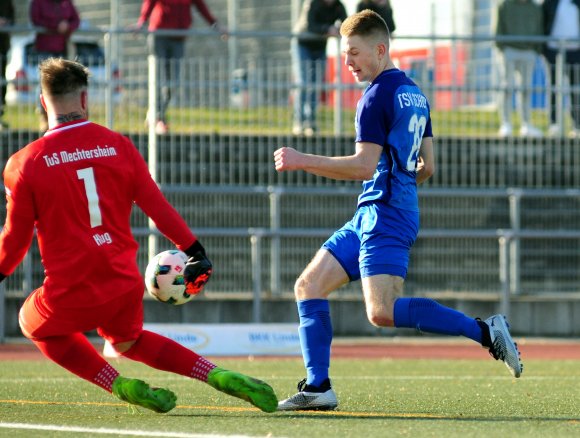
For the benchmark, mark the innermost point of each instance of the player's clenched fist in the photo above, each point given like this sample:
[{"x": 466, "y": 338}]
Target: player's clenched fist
[{"x": 287, "y": 158}]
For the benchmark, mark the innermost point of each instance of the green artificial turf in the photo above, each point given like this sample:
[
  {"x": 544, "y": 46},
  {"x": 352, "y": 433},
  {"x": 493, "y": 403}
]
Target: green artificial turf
[{"x": 414, "y": 398}]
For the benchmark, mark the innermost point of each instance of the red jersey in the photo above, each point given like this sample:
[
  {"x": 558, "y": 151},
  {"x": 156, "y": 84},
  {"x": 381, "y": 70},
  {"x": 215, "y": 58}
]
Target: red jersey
[
  {"x": 172, "y": 14},
  {"x": 77, "y": 185}
]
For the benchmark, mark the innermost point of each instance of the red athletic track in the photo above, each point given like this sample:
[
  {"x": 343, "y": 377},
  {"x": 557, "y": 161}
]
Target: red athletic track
[{"x": 400, "y": 348}]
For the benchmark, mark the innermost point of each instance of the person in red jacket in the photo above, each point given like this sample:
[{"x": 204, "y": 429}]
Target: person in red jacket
[
  {"x": 170, "y": 15},
  {"x": 60, "y": 19},
  {"x": 77, "y": 185}
]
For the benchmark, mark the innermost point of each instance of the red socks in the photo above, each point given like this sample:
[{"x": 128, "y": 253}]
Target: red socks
[
  {"x": 165, "y": 354},
  {"x": 76, "y": 354}
]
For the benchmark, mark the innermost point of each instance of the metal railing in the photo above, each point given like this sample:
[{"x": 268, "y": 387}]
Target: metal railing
[
  {"x": 267, "y": 255},
  {"x": 458, "y": 74},
  {"x": 266, "y": 248}
]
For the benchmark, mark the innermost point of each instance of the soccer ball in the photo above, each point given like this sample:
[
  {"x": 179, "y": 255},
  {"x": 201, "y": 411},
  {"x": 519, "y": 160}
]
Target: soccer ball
[{"x": 164, "y": 277}]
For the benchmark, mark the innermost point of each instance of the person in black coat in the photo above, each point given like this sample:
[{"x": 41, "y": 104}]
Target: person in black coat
[
  {"x": 381, "y": 7},
  {"x": 6, "y": 19},
  {"x": 318, "y": 20},
  {"x": 560, "y": 25}
]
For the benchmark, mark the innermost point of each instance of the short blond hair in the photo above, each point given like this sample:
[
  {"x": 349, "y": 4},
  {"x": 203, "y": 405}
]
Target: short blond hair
[
  {"x": 366, "y": 24},
  {"x": 59, "y": 77}
]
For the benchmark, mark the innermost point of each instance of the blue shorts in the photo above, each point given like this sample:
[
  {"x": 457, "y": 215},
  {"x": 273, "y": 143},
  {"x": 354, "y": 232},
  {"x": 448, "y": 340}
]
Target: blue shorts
[{"x": 377, "y": 240}]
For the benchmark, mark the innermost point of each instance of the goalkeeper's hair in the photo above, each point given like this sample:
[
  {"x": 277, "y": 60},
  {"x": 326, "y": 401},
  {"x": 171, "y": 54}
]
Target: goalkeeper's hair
[
  {"x": 367, "y": 24},
  {"x": 60, "y": 77}
]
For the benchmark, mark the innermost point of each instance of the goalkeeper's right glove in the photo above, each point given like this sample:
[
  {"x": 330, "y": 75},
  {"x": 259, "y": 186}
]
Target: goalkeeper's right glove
[{"x": 198, "y": 269}]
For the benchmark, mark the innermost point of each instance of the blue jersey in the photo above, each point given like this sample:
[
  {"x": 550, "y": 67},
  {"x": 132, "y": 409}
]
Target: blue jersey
[{"x": 393, "y": 113}]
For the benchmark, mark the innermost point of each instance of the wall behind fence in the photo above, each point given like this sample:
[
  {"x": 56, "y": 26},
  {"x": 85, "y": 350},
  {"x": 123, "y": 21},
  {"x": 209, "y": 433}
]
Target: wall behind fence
[
  {"x": 225, "y": 183},
  {"x": 215, "y": 163}
]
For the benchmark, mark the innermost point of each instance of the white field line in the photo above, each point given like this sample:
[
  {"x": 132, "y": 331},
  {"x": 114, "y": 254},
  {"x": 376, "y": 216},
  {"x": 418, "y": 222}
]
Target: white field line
[
  {"x": 385, "y": 377},
  {"x": 105, "y": 431}
]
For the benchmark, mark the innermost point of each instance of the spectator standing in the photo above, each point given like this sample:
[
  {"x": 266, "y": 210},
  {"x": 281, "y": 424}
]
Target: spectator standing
[
  {"x": 169, "y": 50},
  {"x": 562, "y": 21},
  {"x": 77, "y": 185},
  {"x": 60, "y": 19},
  {"x": 520, "y": 18},
  {"x": 381, "y": 7},
  {"x": 6, "y": 19},
  {"x": 318, "y": 20}
]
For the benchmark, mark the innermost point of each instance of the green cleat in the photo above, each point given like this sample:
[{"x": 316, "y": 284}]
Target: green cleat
[
  {"x": 258, "y": 393},
  {"x": 139, "y": 393}
]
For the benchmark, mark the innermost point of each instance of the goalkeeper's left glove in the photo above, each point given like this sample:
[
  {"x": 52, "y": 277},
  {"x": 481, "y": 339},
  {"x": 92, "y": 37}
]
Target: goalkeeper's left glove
[{"x": 198, "y": 269}]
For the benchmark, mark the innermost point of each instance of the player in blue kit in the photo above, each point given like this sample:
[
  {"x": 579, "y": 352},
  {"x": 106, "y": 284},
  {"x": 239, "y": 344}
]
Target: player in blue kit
[{"x": 394, "y": 152}]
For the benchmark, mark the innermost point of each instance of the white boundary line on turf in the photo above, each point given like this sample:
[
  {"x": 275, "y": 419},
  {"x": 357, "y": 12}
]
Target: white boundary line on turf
[
  {"x": 285, "y": 378},
  {"x": 104, "y": 431}
]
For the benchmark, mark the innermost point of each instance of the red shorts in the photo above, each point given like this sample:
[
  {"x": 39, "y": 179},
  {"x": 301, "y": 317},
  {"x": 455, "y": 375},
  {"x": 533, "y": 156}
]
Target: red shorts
[{"x": 118, "y": 320}]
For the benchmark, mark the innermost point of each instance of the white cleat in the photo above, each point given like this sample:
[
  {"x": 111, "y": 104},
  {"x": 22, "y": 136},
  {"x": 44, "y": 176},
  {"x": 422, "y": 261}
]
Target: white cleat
[
  {"x": 311, "y": 398},
  {"x": 530, "y": 131},
  {"x": 503, "y": 346},
  {"x": 505, "y": 130}
]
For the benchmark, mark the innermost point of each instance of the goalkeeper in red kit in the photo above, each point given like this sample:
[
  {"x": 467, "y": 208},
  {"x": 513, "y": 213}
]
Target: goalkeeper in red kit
[{"x": 77, "y": 185}]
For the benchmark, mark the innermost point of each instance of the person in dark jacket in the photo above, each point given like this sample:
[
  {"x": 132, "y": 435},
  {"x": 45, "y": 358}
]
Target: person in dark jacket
[
  {"x": 170, "y": 15},
  {"x": 381, "y": 7},
  {"x": 319, "y": 19},
  {"x": 6, "y": 19},
  {"x": 518, "y": 18},
  {"x": 562, "y": 22}
]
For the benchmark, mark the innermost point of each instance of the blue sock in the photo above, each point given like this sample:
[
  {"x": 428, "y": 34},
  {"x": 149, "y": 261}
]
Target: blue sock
[
  {"x": 428, "y": 315},
  {"x": 315, "y": 338}
]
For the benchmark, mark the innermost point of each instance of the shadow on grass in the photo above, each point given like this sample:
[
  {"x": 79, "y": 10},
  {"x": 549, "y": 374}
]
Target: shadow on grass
[{"x": 349, "y": 415}]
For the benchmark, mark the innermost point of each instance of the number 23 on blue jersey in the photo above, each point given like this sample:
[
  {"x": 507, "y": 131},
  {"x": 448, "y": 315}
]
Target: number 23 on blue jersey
[{"x": 417, "y": 128}]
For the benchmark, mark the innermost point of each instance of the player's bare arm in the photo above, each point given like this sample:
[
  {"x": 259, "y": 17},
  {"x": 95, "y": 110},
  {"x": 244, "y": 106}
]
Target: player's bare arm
[
  {"x": 359, "y": 166},
  {"x": 426, "y": 160}
]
